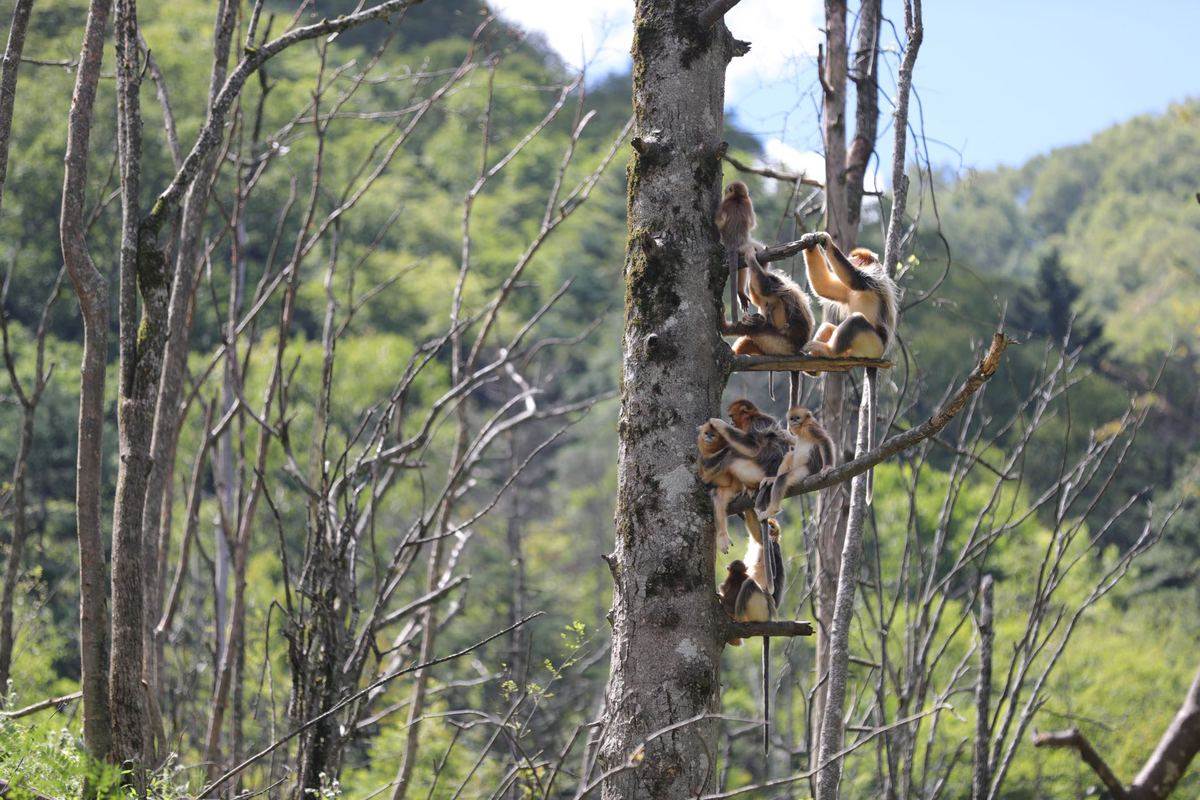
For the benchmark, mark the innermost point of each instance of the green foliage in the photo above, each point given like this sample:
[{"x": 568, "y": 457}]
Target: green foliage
[{"x": 1118, "y": 211}]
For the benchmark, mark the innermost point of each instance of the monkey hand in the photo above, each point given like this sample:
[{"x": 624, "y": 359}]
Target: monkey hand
[
  {"x": 724, "y": 542},
  {"x": 773, "y": 529},
  {"x": 754, "y": 319},
  {"x": 810, "y": 240}
]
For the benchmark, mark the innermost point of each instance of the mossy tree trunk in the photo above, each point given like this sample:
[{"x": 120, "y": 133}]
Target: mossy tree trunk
[{"x": 666, "y": 643}]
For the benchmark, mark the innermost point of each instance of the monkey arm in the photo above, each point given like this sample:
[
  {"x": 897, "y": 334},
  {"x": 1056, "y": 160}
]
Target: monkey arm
[
  {"x": 750, "y": 325},
  {"x": 822, "y": 281},
  {"x": 847, "y": 273},
  {"x": 742, "y": 443}
]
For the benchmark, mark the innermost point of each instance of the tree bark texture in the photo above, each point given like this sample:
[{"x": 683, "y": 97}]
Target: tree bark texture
[
  {"x": 666, "y": 645},
  {"x": 141, "y": 271},
  {"x": 92, "y": 292},
  {"x": 831, "y": 504}
]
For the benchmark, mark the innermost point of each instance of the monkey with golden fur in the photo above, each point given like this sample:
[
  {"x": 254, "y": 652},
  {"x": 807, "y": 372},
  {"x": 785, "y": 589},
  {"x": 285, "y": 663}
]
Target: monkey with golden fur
[
  {"x": 753, "y": 592},
  {"x": 784, "y": 324},
  {"x": 733, "y": 461},
  {"x": 860, "y": 300},
  {"x": 745, "y": 595},
  {"x": 811, "y": 452},
  {"x": 863, "y": 300},
  {"x": 735, "y": 220}
]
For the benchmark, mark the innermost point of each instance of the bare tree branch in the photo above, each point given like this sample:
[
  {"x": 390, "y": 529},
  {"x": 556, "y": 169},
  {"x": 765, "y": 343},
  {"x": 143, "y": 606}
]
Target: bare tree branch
[
  {"x": 902, "y": 441},
  {"x": 715, "y": 10},
  {"x": 1074, "y": 739}
]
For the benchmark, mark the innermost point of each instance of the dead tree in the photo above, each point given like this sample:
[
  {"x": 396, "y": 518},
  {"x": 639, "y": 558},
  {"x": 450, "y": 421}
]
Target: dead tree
[{"x": 845, "y": 169}]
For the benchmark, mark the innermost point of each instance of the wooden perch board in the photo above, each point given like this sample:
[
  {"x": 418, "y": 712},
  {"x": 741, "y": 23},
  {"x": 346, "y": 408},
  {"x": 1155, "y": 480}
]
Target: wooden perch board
[
  {"x": 776, "y": 627},
  {"x": 804, "y": 364}
]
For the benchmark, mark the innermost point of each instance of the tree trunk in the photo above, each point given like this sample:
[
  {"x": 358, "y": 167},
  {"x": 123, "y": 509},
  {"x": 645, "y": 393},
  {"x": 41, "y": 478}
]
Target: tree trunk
[
  {"x": 416, "y": 702},
  {"x": 92, "y": 291},
  {"x": 832, "y": 728},
  {"x": 1175, "y": 750},
  {"x": 866, "y": 114},
  {"x": 20, "y": 529},
  {"x": 141, "y": 271},
  {"x": 12, "y": 570},
  {"x": 832, "y": 503},
  {"x": 982, "y": 773},
  {"x": 665, "y": 663},
  {"x": 179, "y": 318}
]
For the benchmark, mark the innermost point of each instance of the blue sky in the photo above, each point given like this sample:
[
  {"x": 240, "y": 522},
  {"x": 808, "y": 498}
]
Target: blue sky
[{"x": 1000, "y": 82}]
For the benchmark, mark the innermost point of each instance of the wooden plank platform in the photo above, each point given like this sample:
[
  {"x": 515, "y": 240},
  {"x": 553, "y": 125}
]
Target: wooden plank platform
[{"x": 804, "y": 364}]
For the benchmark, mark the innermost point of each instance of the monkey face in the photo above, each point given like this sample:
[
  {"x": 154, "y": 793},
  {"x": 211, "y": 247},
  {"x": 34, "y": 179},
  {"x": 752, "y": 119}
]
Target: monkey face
[
  {"x": 797, "y": 418},
  {"x": 741, "y": 412},
  {"x": 708, "y": 439}
]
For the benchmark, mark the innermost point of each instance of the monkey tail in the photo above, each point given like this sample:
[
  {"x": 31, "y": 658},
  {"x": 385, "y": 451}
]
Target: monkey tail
[
  {"x": 766, "y": 695},
  {"x": 774, "y": 560},
  {"x": 872, "y": 406}
]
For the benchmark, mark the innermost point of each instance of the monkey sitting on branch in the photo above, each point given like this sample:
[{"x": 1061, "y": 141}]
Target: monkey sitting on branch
[
  {"x": 733, "y": 461},
  {"x": 753, "y": 592},
  {"x": 811, "y": 452}
]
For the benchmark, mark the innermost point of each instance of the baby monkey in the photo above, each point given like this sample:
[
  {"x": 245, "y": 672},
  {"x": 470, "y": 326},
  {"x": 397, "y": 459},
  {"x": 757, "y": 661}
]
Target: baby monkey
[
  {"x": 733, "y": 461},
  {"x": 750, "y": 595},
  {"x": 735, "y": 220},
  {"x": 811, "y": 452}
]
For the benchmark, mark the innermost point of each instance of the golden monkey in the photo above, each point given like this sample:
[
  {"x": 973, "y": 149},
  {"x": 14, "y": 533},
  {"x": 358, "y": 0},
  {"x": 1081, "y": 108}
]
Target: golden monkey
[
  {"x": 746, "y": 417},
  {"x": 732, "y": 462},
  {"x": 862, "y": 299},
  {"x": 749, "y": 594},
  {"x": 784, "y": 324},
  {"x": 735, "y": 220},
  {"x": 812, "y": 451}
]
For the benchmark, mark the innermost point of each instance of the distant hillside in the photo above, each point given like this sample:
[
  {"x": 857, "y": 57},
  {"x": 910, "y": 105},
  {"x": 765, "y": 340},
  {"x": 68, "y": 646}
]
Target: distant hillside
[{"x": 1122, "y": 211}]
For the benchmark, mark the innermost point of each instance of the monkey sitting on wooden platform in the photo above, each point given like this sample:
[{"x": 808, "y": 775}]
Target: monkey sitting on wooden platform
[
  {"x": 860, "y": 299},
  {"x": 754, "y": 593},
  {"x": 748, "y": 593},
  {"x": 784, "y": 324}
]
